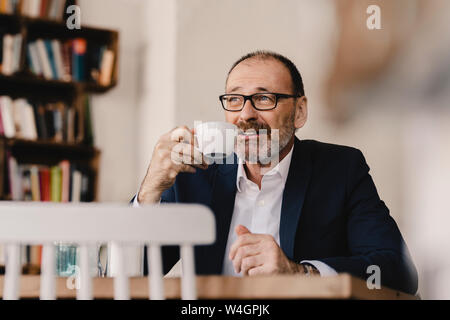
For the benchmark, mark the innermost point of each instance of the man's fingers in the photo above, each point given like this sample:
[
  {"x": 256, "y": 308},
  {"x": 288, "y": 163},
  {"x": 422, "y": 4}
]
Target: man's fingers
[
  {"x": 257, "y": 271},
  {"x": 182, "y": 134},
  {"x": 244, "y": 252},
  {"x": 187, "y": 168},
  {"x": 240, "y": 230},
  {"x": 252, "y": 262},
  {"x": 183, "y": 153},
  {"x": 187, "y": 154},
  {"x": 246, "y": 239}
]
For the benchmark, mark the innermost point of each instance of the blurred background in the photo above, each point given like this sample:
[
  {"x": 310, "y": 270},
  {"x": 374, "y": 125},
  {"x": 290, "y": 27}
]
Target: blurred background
[{"x": 386, "y": 92}]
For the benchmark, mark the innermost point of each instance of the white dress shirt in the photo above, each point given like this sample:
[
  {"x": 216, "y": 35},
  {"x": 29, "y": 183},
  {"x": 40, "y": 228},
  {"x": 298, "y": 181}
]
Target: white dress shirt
[{"x": 260, "y": 210}]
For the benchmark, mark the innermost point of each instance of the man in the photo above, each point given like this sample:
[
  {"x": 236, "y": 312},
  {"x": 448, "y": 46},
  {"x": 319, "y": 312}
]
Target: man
[{"x": 315, "y": 212}]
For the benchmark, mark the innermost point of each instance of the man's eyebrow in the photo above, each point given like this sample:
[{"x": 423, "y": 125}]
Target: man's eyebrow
[{"x": 257, "y": 89}]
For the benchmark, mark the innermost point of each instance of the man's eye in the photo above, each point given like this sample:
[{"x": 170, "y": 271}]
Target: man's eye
[
  {"x": 264, "y": 98},
  {"x": 233, "y": 99}
]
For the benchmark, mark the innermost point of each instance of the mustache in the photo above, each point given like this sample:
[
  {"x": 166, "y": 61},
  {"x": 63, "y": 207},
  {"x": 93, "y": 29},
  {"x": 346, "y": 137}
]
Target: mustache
[{"x": 252, "y": 124}]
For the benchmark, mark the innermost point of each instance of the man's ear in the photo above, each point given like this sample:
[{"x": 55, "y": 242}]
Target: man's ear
[{"x": 301, "y": 112}]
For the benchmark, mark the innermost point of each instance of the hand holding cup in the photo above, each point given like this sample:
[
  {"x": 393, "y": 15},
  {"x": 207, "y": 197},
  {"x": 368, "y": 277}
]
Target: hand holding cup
[{"x": 174, "y": 152}]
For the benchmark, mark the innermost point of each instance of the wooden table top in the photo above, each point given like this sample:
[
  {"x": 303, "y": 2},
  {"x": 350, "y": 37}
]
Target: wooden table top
[{"x": 342, "y": 286}]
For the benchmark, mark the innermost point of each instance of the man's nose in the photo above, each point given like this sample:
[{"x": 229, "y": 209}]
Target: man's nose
[{"x": 248, "y": 112}]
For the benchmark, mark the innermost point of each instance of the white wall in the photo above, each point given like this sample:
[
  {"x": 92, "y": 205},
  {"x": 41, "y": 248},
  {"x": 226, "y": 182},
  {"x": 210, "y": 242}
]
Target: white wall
[
  {"x": 213, "y": 34},
  {"x": 115, "y": 113},
  {"x": 157, "y": 99},
  {"x": 427, "y": 184}
]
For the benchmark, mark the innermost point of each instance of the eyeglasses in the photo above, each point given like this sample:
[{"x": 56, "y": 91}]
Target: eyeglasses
[{"x": 260, "y": 101}]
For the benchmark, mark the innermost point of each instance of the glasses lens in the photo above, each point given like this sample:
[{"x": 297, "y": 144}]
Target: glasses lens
[
  {"x": 232, "y": 102},
  {"x": 264, "y": 100}
]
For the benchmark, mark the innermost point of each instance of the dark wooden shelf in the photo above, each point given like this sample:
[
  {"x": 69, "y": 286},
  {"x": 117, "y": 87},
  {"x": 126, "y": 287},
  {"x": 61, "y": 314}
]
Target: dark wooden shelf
[
  {"x": 29, "y": 85},
  {"x": 19, "y": 86},
  {"x": 48, "y": 144},
  {"x": 39, "y": 151}
]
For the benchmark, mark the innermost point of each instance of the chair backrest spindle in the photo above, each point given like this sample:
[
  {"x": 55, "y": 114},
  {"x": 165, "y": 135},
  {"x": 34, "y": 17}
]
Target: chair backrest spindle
[
  {"x": 156, "y": 285},
  {"x": 48, "y": 290},
  {"x": 188, "y": 284},
  {"x": 121, "y": 281},
  {"x": 12, "y": 272},
  {"x": 85, "y": 290}
]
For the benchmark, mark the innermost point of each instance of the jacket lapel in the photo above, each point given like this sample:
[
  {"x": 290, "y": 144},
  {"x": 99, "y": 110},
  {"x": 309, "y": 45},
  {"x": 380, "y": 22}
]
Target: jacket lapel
[
  {"x": 294, "y": 196},
  {"x": 222, "y": 204}
]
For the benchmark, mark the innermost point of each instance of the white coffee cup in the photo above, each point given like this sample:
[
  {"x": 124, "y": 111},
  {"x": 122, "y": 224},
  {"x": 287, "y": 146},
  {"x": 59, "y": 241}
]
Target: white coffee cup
[{"x": 215, "y": 140}]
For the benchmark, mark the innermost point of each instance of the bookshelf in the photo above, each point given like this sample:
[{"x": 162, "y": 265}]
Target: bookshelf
[{"x": 40, "y": 90}]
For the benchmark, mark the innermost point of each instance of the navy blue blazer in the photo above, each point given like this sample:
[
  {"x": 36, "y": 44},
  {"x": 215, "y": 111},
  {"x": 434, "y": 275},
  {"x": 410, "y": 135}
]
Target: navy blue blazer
[{"x": 330, "y": 212}]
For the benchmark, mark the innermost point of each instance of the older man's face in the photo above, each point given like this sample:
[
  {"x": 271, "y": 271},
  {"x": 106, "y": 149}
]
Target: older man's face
[{"x": 259, "y": 76}]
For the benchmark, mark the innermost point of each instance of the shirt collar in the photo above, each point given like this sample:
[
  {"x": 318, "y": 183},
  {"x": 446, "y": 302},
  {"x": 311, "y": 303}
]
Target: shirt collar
[{"x": 281, "y": 169}]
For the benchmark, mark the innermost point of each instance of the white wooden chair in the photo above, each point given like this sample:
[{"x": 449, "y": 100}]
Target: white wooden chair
[{"x": 89, "y": 224}]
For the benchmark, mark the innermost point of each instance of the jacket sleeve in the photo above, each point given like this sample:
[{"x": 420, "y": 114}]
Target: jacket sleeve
[{"x": 372, "y": 235}]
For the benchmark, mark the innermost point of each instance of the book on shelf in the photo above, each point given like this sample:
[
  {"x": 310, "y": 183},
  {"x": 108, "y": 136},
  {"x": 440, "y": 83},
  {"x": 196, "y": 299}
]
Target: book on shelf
[
  {"x": 24, "y": 122},
  {"x": 79, "y": 47},
  {"x": 65, "y": 180},
  {"x": 35, "y": 183},
  {"x": 33, "y": 59},
  {"x": 16, "y": 49},
  {"x": 46, "y": 9},
  {"x": 8, "y": 49},
  {"x": 106, "y": 69},
  {"x": 11, "y": 52},
  {"x": 6, "y": 110},
  {"x": 51, "y": 58},
  {"x": 44, "y": 59},
  {"x": 14, "y": 175},
  {"x": 44, "y": 184},
  {"x": 59, "y": 63},
  {"x": 56, "y": 122},
  {"x": 71, "y": 60},
  {"x": 55, "y": 184}
]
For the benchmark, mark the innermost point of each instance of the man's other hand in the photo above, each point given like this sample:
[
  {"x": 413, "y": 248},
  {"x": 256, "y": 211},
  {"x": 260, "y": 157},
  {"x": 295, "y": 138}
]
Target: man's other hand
[{"x": 259, "y": 254}]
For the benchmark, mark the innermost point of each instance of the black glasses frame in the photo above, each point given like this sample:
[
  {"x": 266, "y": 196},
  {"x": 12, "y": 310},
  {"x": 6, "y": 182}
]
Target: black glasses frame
[{"x": 250, "y": 97}]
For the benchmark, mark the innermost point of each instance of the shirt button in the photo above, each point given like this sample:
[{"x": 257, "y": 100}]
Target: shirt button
[{"x": 261, "y": 203}]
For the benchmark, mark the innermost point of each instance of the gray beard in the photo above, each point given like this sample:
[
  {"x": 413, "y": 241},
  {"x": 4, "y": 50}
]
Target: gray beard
[{"x": 268, "y": 151}]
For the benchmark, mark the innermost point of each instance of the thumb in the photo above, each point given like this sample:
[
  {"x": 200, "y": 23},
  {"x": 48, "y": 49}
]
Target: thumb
[{"x": 240, "y": 230}]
